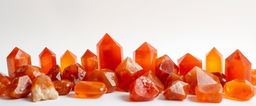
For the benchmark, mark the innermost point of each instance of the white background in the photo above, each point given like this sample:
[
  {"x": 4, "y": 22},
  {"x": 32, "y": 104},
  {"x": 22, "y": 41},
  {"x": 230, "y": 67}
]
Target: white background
[{"x": 173, "y": 27}]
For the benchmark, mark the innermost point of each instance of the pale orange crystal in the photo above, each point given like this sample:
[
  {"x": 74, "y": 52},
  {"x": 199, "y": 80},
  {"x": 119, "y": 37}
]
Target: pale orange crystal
[
  {"x": 214, "y": 61},
  {"x": 67, "y": 59}
]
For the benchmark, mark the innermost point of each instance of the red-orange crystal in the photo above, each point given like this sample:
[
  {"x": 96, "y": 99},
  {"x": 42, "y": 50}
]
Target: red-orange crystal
[
  {"x": 187, "y": 62},
  {"x": 63, "y": 87},
  {"x": 20, "y": 87},
  {"x": 253, "y": 77},
  {"x": 47, "y": 60},
  {"x": 16, "y": 59},
  {"x": 178, "y": 90},
  {"x": 30, "y": 70},
  {"x": 74, "y": 73},
  {"x": 89, "y": 61},
  {"x": 4, "y": 83},
  {"x": 67, "y": 59},
  {"x": 211, "y": 93},
  {"x": 109, "y": 53}
]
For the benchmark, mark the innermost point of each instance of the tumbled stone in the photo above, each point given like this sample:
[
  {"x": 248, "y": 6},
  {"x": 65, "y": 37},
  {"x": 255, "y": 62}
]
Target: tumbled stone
[{"x": 90, "y": 89}]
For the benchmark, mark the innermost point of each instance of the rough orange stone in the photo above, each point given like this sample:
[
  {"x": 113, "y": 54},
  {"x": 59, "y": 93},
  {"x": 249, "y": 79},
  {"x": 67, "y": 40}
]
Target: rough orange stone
[
  {"x": 178, "y": 90},
  {"x": 237, "y": 67},
  {"x": 90, "y": 89},
  {"x": 146, "y": 56},
  {"x": 156, "y": 81},
  {"x": 16, "y": 59},
  {"x": 47, "y": 60},
  {"x": 143, "y": 89},
  {"x": 63, "y": 87},
  {"x": 20, "y": 87},
  {"x": 211, "y": 93},
  {"x": 109, "y": 53},
  {"x": 43, "y": 89},
  {"x": 164, "y": 67},
  {"x": 127, "y": 72},
  {"x": 67, "y": 59},
  {"x": 54, "y": 73},
  {"x": 4, "y": 84},
  {"x": 89, "y": 61},
  {"x": 253, "y": 76},
  {"x": 74, "y": 73},
  {"x": 241, "y": 90},
  {"x": 187, "y": 62},
  {"x": 107, "y": 76},
  {"x": 172, "y": 78},
  {"x": 30, "y": 70},
  {"x": 221, "y": 77},
  {"x": 197, "y": 77},
  {"x": 214, "y": 61}
]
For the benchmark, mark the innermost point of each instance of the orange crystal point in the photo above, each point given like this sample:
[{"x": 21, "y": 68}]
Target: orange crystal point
[
  {"x": 253, "y": 76},
  {"x": 199, "y": 77},
  {"x": 89, "y": 61},
  {"x": 187, "y": 62},
  {"x": 178, "y": 90},
  {"x": 146, "y": 56},
  {"x": 209, "y": 93},
  {"x": 127, "y": 72},
  {"x": 241, "y": 90},
  {"x": 47, "y": 60},
  {"x": 16, "y": 59},
  {"x": 90, "y": 89},
  {"x": 214, "y": 61},
  {"x": 67, "y": 59},
  {"x": 237, "y": 67},
  {"x": 109, "y": 53},
  {"x": 164, "y": 67}
]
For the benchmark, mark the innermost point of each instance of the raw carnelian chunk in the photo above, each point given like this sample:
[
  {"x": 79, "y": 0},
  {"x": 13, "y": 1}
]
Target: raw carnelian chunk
[
  {"x": 146, "y": 56},
  {"x": 31, "y": 71},
  {"x": 214, "y": 61},
  {"x": 143, "y": 89},
  {"x": 156, "y": 81},
  {"x": 74, "y": 73},
  {"x": 237, "y": 67},
  {"x": 241, "y": 90},
  {"x": 20, "y": 87},
  {"x": 178, "y": 90},
  {"x": 63, "y": 87},
  {"x": 89, "y": 61},
  {"x": 47, "y": 60},
  {"x": 54, "y": 73},
  {"x": 187, "y": 62},
  {"x": 90, "y": 89},
  {"x": 107, "y": 76},
  {"x": 253, "y": 77},
  {"x": 197, "y": 77},
  {"x": 172, "y": 78},
  {"x": 67, "y": 59},
  {"x": 16, "y": 59},
  {"x": 109, "y": 53},
  {"x": 221, "y": 77},
  {"x": 4, "y": 83},
  {"x": 43, "y": 89},
  {"x": 164, "y": 67},
  {"x": 209, "y": 93},
  {"x": 127, "y": 72}
]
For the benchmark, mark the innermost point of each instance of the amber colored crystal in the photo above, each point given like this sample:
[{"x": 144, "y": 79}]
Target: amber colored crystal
[
  {"x": 241, "y": 90},
  {"x": 63, "y": 87},
  {"x": 74, "y": 73},
  {"x": 127, "y": 72},
  {"x": 146, "y": 56},
  {"x": 43, "y": 89},
  {"x": 211, "y": 93},
  {"x": 16, "y": 59},
  {"x": 214, "y": 61},
  {"x": 237, "y": 66},
  {"x": 107, "y": 76},
  {"x": 172, "y": 78},
  {"x": 143, "y": 89},
  {"x": 30, "y": 70},
  {"x": 197, "y": 77},
  {"x": 4, "y": 84},
  {"x": 20, "y": 87},
  {"x": 47, "y": 60},
  {"x": 89, "y": 61},
  {"x": 54, "y": 73},
  {"x": 109, "y": 53},
  {"x": 221, "y": 77},
  {"x": 253, "y": 77},
  {"x": 90, "y": 89},
  {"x": 67, "y": 59},
  {"x": 187, "y": 62},
  {"x": 178, "y": 90},
  {"x": 164, "y": 67}
]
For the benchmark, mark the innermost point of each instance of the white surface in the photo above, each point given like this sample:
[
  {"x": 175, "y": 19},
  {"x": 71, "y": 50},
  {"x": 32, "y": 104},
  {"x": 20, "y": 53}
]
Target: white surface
[{"x": 173, "y": 27}]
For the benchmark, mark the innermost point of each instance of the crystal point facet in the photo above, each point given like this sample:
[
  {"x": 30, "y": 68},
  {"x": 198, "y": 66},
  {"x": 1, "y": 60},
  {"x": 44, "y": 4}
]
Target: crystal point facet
[
  {"x": 187, "y": 62},
  {"x": 67, "y": 59},
  {"x": 89, "y": 61},
  {"x": 214, "y": 61},
  {"x": 47, "y": 60}
]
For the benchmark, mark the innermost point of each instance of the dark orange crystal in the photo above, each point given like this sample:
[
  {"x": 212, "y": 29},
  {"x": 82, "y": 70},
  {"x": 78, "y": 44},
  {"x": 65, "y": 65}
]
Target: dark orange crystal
[
  {"x": 30, "y": 70},
  {"x": 109, "y": 53},
  {"x": 187, "y": 62},
  {"x": 54, "y": 73},
  {"x": 4, "y": 84},
  {"x": 47, "y": 60},
  {"x": 63, "y": 87},
  {"x": 178, "y": 90},
  {"x": 211, "y": 93},
  {"x": 74, "y": 73},
  {"x": 20, "y": 87},
  {"x": 89, "y": 61}
]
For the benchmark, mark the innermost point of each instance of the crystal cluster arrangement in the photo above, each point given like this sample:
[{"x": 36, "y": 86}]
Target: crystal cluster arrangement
[{"x": 144, "y": 77}]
